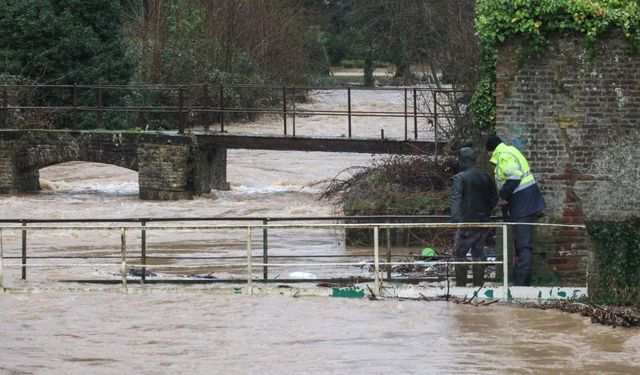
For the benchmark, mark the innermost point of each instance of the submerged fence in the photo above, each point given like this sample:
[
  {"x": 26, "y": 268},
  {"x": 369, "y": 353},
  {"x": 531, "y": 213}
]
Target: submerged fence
[{"x": 252, "y": 259}]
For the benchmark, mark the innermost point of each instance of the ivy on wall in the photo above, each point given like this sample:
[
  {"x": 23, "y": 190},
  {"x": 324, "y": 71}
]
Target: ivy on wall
[
  {"x": 617, "y": 252},
  {"x": 533, "y": 22}
]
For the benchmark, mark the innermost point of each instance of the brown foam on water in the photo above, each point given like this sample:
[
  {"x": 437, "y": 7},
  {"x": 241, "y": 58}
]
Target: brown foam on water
[{"x": 48, "y": 185}]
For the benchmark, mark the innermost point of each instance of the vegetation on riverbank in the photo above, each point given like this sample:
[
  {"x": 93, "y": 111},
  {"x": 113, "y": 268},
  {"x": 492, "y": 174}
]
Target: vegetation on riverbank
[
  {"x": 533, "y": 23},
  {"x": 607, "y": 315},
  {"x": 402, "y": 181},
  {"x": 617, "y": 255},
  {"x": 395, "y": 186}
]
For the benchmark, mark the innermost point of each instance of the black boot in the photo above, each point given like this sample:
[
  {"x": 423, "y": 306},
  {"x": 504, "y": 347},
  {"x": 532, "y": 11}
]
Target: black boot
[
  {"x": 478, "y": 274},
  {"x": 461, "y": 274}
]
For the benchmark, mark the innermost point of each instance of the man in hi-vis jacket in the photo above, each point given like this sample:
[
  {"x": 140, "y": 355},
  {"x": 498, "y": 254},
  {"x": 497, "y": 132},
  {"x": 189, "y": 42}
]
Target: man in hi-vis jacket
[
  {"x": 520, "y": 199},
  {"x": 474, "y": 196}
]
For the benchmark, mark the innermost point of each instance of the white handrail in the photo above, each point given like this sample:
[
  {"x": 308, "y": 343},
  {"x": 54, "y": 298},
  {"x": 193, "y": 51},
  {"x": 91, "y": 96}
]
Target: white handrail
[
  {"x": 505, "y": 264},
  {"x": 249, "y": 264},
  {"x": 1, "y": 262}
]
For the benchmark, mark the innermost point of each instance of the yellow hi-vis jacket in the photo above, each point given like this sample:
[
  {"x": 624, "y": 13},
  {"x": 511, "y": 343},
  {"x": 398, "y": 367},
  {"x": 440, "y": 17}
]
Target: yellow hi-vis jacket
[{"x": 511, "y": 165}]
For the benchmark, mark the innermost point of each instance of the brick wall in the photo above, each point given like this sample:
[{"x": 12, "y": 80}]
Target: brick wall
[
  {"x": 164, "y": 171},
  {"x": 576, "y": 116}
]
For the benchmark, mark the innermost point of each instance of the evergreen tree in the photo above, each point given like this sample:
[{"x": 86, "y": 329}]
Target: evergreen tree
[{"x": 63, "y": 41}]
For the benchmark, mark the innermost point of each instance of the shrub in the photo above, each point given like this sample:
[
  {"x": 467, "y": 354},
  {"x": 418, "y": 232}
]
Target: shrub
[{"x": 617, "y": 255}]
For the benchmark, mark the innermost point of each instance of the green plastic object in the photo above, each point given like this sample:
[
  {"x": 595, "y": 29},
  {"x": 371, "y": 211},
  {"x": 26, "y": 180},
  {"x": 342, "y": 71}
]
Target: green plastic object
[{"x": 428, "y": 252}]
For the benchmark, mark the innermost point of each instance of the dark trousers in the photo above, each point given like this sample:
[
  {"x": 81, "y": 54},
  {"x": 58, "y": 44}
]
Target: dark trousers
[
  {"x": 474, "y": 239},
  {"x": 523, "y": 240}
]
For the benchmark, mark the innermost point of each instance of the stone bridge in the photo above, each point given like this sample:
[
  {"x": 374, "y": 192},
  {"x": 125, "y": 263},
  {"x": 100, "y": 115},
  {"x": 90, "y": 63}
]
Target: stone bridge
[{"x": 169, "y": 165}]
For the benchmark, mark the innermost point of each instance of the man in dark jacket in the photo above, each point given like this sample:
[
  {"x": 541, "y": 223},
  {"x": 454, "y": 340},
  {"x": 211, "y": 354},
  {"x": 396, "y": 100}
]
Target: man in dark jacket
[
  {"x": 520, "y": 199},
  {"x": 474, "y": 196}
]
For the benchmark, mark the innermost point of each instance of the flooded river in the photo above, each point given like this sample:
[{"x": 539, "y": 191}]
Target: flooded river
[
  {"x": 236, "y": 334},
  {"x": 199, "y": 332}
]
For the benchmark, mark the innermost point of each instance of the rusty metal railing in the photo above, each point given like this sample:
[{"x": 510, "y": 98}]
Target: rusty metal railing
[{"x": 207, "y": 104}]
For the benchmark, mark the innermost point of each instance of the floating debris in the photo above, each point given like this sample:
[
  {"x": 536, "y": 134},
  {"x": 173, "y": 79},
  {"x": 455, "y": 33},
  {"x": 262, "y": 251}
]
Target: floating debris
[
  {"x": 137, "y": 272},
  {"x": 302, "y": 275},
  {"x": 608, "y": 315}
]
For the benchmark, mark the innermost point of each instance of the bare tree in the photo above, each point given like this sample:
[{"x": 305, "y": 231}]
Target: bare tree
[{"x": 260, "y": 36}]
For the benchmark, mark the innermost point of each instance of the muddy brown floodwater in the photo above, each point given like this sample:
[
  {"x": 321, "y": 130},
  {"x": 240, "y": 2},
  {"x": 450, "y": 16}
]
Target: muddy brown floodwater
[{"x": 202, "y": 333}]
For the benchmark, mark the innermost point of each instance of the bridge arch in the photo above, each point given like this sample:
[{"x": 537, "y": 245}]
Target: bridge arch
[
  {"x": 45, "y": 150},
  {"x": 169, "y": 166},
  {"x": 81, "y": 177}
]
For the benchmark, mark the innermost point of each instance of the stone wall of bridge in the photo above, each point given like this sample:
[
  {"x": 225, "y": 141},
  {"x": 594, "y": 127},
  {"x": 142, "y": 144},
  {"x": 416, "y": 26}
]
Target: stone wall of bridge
[
  {"x": 169, "y": 166},
  {"x": 576, "y": 116}
]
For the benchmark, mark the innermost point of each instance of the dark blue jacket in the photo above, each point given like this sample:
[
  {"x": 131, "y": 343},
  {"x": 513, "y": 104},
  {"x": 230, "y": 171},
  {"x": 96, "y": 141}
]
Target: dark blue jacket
[{"x": 523, "y": 203}]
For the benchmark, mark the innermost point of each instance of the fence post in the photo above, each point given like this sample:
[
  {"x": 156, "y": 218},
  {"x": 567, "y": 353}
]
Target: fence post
[
  {"x": 99, "y": 105},
  {"x": 293, "y": 118},
  {"x": 415, "y": 114},
  {"x": 505, "y": 263},
  {"x": 349, "y": 108},
  {"x": 188, "y": 119},
  {"x": 221, "y": 108},
  {"x": 388, "y": 252},
  {"x": 123, "y": 252},
  {"x": 435, "y": 123},
  {"x": 1, "y": 263},
  {"x": 75, "y": 107},
  {"x": 24, "y": 251},
  {"x": 180, "y": 108},
  {"x": 265, "y": 251},
  {"x": 143, "y": 250},
  {"x": 205, "y": 108},
  {"x": 376, "y": 261},
  {"x": 249, "y": 264},
  {"x": 284, "y": 108},
  {"x": 5, "y": 108},
  {"x": 406, "y": 115},
  {"x": 448, "y": 281}
]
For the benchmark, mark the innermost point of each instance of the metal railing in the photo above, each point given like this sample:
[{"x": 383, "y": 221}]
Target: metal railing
[
  {"x": 248, "y": 261},
  {"x": 143, "y": 222},
  {"x": 207, "y": 104}
]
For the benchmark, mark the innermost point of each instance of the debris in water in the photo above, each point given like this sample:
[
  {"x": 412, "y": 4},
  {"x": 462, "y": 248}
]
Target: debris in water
[
  {"x": 608, "y": 315},
  {"x": 137, "y": 272},
  {"x": 302, "y": 275}
]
